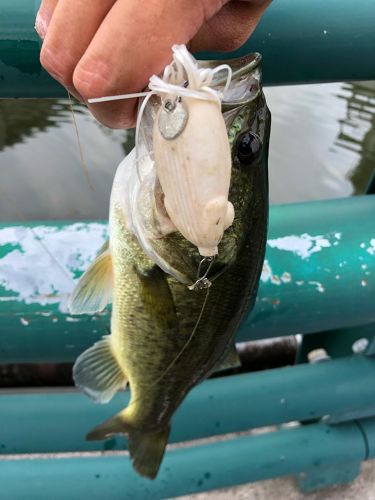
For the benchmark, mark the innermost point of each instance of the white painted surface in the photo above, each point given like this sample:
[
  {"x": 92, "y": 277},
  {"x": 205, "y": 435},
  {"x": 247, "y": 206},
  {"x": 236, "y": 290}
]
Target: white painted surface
[
  {"x": 303, "y": 246},
  {"x": 40, "y": 267}
]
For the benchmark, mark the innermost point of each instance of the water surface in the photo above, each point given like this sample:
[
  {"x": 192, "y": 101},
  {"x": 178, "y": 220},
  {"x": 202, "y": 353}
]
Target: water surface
[{"x": 322, "y": 146}]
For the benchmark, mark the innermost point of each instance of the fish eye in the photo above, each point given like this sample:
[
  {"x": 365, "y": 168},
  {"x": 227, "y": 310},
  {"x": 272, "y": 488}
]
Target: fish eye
[{"x": 248, "y": 147}]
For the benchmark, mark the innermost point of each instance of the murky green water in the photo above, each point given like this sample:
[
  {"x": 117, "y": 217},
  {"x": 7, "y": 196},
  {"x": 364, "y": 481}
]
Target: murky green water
[{"x": 322, "y": 146}]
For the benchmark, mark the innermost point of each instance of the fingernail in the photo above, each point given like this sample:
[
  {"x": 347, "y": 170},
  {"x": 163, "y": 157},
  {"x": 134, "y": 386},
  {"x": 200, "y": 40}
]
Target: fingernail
[{"x": 41, "y": 25}]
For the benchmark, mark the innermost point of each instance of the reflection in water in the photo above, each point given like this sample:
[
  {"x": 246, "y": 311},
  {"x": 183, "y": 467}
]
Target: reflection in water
[
  {"x": 357, "y": 131},
  {"x": 314, "y": 129},
  {"x": 322, "y": 146},
  {"x": 41, "y": 175},
  {"x": 21, "y": 119}
]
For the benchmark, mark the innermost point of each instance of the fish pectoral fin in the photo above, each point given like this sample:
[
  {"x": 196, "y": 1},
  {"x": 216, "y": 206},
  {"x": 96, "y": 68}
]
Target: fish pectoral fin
[
  {"x": 94, "y": 289},
  {"x": 97, "y": 372},
  {"x": 146, "y": 448},
  {"x": 231, "y": 360}
]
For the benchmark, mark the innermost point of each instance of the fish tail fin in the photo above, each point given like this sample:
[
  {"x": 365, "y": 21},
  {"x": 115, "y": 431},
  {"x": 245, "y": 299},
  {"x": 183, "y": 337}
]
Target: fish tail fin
[{"x": 146, "y": 448}]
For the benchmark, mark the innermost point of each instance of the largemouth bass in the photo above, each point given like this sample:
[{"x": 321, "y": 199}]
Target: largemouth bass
[{"x": 166, "y": 338}]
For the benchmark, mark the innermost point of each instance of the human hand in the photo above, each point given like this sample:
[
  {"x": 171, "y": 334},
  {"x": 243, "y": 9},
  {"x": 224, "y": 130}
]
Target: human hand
[{"x": 97, "y": 48}]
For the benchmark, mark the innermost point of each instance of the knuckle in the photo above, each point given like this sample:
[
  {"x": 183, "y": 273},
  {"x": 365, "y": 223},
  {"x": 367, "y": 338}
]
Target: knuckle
[
  {"x": 93, "y": 79},
  {"x": 57, "y": 63}
]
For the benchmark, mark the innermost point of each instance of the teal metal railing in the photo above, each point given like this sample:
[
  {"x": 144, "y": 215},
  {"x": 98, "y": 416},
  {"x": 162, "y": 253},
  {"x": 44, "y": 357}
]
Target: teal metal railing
[
  {"x": 318, "y": 273},
  {"x": 309, "y": 41},
  {"x": 188, "y": 470}
]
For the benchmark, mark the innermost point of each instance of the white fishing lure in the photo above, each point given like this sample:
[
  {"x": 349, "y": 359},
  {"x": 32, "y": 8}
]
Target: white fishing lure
[
  {"x": 182, "y": 156},
  {"x": 191, "y": 152}
]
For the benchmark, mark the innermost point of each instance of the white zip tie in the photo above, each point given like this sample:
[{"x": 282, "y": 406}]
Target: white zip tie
[{"x": 183, "y": 69}]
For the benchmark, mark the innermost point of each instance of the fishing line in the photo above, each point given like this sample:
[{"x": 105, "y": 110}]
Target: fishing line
[
  {"x": 174, "y": 361},
  {"x": 35, "y": 236},
  {"x": 205, "y": 284},
  {"x": 83, "y": 162},
  {"x": 46, "y": 249},
  {"x": 187, "y": 342}
]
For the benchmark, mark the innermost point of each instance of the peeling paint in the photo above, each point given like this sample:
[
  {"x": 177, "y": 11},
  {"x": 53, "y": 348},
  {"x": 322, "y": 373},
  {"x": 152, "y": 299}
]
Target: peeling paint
[
  {"x": 286, "y": 277},
  {"x": 266, "y": 272},
  {"x": 42, "y": 267},
  {"x": 303, "y": 246},
  {"x": 275, "y": 279},
  {"x": 70, "y": 319},
  {"x": 268, "y": 275},
  {"x": 371, "y": 248},
  {"x": 319, "y": 287}
]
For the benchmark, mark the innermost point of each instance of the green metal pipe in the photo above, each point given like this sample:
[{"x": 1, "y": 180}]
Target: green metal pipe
[
  {"x": 301, "y": 42},
  {"x": 318, "y": 276},
  {"x": 58, "y": 422},
  {"x": 319, "y": 271},
  {"x": 368, "y": 429},
  {"x": 185, "y": 470}
]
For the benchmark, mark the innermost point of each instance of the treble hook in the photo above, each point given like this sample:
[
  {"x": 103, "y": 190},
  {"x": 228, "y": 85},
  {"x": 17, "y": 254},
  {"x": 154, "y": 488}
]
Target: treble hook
[{"x": 202, "y": 282}]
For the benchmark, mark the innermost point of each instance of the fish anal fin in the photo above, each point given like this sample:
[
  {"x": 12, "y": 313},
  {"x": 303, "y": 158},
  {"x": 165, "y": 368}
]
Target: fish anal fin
[
  {"x": 146, "y": 448},
  {"x": 97, "y": 372},
  {"x": 94, "y": 289},
  {"x": 229, "y": 362}
]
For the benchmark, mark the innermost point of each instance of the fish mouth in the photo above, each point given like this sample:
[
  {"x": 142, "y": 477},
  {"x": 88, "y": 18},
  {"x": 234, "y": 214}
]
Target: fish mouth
[{"x": 246, "y": 80}]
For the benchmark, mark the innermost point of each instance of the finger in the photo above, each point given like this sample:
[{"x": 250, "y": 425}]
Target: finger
[
  {"x": 69, "y": 33},
  {"x": 44, "y": 16},
  {"x": 230, "y": 27},
  {"x": 42, "y": 22},
  {"x": 131, "y": 44}
]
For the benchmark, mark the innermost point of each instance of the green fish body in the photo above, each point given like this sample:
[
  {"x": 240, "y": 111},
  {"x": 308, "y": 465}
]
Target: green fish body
[{"x": 166, "y": 338}]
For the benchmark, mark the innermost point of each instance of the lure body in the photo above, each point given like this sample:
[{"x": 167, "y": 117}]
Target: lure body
[{"x": 194, "y": 171}]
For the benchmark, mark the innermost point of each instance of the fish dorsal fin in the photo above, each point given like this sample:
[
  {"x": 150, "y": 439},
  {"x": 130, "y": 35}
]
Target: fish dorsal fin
[
  {"x": 230, "y": 361},
  {"x": 97, "y": 372},
  {"x": 94, "y": 289}
]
